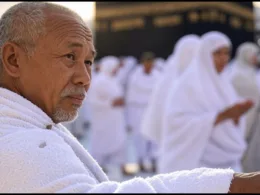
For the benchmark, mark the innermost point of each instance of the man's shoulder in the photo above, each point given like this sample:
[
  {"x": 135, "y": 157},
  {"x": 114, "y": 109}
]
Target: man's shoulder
[
  {"x": 19, "y": 139},
  {"x": 34, "y": 145}
]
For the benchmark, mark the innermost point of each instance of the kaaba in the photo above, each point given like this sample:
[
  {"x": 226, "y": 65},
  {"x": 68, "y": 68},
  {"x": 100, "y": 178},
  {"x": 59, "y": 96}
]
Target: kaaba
[{"x": 130, "y": 28}]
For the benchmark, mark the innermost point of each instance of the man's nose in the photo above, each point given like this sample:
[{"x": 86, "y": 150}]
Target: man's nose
[{"x": 82, "y": 75}]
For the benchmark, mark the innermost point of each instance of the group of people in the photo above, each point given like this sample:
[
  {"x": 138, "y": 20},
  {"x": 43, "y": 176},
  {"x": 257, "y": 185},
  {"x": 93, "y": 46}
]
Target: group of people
[
  {"x": 194, "y": 109},
  {"x": 46, "y": 56}
]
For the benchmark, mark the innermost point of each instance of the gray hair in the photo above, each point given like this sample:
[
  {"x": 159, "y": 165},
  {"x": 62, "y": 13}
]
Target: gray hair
[{"x": 24, "y": 23}]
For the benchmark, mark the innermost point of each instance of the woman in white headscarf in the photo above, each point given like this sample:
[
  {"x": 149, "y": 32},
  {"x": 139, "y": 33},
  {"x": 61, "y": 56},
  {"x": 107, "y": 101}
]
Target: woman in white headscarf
[
  {"x": 152, "y": 123},
  {"x": 202, "y": 125},
  {"x": 244, "y": 79},
  {"x": 108, "y": 133}
]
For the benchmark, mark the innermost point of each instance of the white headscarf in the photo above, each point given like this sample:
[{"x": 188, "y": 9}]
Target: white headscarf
[
  {"x": 189, "y": 134},
  {"x": 245, "y": 53},
  {"x": 130, "y": 61},
  {"x": 183, "y": 54},
  {"x": 211, "y": 82},
  {"x": 244, "y": 79},
  {"x": 184, "y": 51},
  {"x": 243, "y": 59},
  {"x": 108, "y": 64},
  {"x": 244, "y": 72}
]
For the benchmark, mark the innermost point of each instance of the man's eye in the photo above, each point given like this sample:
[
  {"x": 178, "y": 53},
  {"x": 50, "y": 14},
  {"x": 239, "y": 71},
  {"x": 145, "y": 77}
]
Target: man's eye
[
  {"x": 87, "y": 62},
  {"x": 70, "y": 56}
]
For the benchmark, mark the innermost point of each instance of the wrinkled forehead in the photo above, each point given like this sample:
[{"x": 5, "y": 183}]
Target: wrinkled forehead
[{"x": 66, "y": 28}]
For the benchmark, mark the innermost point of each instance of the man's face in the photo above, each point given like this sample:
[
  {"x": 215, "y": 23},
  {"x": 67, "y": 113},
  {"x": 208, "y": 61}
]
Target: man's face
[
  {"x": 254, "y": 60},
  {"x": 58, "y": 74},
  {"x": 115, "y": 71},
  {"x": 148, "y": 65},
  {"x": 221, "y": 58}
]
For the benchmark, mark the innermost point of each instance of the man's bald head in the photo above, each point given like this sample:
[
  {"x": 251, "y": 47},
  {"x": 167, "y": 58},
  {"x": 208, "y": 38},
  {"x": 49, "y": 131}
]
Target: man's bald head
[{"x": 25, "y": 22}]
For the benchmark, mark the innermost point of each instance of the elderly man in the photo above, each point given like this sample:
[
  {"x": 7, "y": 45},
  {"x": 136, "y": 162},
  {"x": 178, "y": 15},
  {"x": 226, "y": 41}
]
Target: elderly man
[{"x": 46, "y": 57}]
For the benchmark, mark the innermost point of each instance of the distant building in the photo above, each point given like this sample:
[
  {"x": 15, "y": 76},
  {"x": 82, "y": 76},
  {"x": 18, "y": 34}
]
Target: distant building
[{"x": 129, "y": 28}]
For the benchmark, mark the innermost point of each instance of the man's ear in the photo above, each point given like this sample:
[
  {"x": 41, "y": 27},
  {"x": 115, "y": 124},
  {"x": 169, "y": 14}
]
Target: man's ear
[{"x": 11, "y": 56}]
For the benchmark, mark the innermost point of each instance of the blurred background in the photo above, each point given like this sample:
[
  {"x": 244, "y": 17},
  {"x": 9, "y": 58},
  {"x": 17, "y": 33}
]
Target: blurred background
[{"x": 128, "y": 29}]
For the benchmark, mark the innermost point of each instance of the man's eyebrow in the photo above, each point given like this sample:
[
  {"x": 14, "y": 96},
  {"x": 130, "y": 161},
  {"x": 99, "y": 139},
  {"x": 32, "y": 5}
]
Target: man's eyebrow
[
  {"x": 77, "y": 44},
  {"x": 74, "y": 44}
]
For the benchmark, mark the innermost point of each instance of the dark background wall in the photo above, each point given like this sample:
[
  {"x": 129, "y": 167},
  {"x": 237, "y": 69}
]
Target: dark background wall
[{"x": 129, "y": 28}]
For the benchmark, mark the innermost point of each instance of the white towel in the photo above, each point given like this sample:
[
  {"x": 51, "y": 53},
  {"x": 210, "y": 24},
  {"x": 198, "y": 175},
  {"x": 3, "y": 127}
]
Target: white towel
[{"x": 36, "y": 159}]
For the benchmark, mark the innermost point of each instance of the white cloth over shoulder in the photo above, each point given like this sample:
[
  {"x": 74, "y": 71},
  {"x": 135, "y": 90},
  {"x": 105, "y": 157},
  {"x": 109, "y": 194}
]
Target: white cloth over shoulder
[
  {"x": 107, "y": 136},
  {"x": 184, "y": 51},
  {"x": 36, "y": 159},
  {"x": 190, "y": 139}
]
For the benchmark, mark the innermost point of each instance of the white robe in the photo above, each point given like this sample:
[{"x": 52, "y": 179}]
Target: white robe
[
  {"x": 35, "y": 159},
  {"x": 190, "y": 139},
  {"x": 139, "y": 91},
  {"x": 151, "y": 126},
  {"x": 258, "y": 79},
  {"x": 123, "y": 73},
  {"x": 107, "y": 136},
  {"x": 244, "y": 79}
]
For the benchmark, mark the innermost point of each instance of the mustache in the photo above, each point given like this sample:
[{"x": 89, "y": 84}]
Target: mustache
[{"x": 74, "y": 91}]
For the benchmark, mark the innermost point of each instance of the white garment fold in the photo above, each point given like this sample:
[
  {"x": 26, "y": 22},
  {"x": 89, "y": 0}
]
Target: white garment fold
[
  {"x": 107, "y": 136},
  {"x": 139, "y": 92},
  {"x": 244, "y": 79},
  {"x": 189, "y": 135},
  {"x": 151, "y": 125},
  {"x": 37, "y": 159}
]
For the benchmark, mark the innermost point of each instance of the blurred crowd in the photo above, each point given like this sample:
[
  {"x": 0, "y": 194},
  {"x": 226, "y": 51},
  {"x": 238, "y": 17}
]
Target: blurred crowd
[{"x": 197, "y": 108}]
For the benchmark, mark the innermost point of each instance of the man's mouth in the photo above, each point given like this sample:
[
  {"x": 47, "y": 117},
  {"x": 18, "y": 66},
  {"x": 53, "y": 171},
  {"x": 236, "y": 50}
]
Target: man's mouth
[{"x": 77, "y": 99}]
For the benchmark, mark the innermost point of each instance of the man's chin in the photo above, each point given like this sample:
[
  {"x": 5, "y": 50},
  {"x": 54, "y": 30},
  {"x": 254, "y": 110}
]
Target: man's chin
[
  {"x": 70, "y": 120},
  {"x": 62, "y": 116}
]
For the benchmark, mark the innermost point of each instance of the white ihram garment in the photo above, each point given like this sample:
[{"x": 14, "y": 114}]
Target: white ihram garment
[
  {"x": 244, "y": 79},
  {"x": 190, "y": 139},
  {"x": 140, "y": 88},
  {"x": 108, "y": 128},
  {"x": 38, "y": 156},
  {"x": 184, "y": 51}
]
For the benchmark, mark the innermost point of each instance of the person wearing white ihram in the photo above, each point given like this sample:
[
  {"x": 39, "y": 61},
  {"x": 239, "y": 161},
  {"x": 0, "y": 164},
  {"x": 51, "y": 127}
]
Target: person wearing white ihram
[
  {"x": 244, "y": 80},
  {"x": 140, "y": 86},
  {"x": 105, "y": 97},
  {"x": 177, "y": 63},
  {"x": 44, "y": 77},
  {"x": 203, "y": 124}
]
